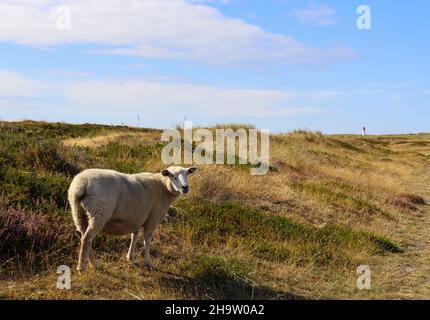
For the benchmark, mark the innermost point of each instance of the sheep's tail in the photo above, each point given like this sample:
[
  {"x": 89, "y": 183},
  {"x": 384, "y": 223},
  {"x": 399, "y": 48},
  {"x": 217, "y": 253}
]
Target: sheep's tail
[{"x": 77, "y": 192}]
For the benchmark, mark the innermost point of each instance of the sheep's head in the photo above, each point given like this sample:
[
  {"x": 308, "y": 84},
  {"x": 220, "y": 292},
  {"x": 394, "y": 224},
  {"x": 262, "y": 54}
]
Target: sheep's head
[{"x": 179, "y": 177}]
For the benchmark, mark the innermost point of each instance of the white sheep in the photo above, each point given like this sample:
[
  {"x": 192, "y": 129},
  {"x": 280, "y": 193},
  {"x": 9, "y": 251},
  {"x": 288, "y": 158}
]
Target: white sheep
[{"x": 110, "y": 202}]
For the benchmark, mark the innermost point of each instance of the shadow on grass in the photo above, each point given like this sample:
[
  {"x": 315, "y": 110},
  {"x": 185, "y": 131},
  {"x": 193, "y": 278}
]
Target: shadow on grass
[
  {"x": 226, "y": 287},
  {"x": 216, "y": 277}
]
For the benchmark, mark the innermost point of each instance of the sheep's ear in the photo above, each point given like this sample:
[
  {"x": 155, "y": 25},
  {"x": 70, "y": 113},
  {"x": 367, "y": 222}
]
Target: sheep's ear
[
  {"x": 166, "y": 173},
  {"x": 192, "y": 170}
]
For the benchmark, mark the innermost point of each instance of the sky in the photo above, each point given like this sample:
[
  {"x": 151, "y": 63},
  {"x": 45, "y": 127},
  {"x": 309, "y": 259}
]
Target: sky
[{"x": 278, "y": 64}]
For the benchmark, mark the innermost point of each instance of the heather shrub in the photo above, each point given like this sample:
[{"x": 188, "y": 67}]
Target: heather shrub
[{"x": 25, "y": 234}]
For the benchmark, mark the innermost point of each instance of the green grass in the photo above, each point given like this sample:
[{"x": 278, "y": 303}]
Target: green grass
[
  {"x": 121, "y": 157},
  {"x": 213, "y": 269},
  {"x": 59, "y": 130},
  {"x": 37, "y": 191},
  {"x": 279, "y": 238},
  {"x": 269, "y": 251},
  {"x": 324, "y": 191},
  {"x": 223, "y": 277}
]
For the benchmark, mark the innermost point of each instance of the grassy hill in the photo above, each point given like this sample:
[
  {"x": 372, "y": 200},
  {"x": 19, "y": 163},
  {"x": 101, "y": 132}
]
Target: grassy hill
[{"x": 328, "y": 205}]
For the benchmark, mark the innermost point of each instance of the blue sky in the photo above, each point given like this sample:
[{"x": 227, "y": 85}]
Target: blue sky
[{"x": 278, "y": 64}]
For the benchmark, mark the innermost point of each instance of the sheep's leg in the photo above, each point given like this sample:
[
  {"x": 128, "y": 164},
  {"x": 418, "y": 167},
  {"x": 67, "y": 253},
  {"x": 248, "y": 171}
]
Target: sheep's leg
[
  {"x": 93, "y": 260},
  {"x": 146, "y": 255},
  {"x": 131, "y": 250},
  {"x": 148, "y": 230},
  {"x": 92, "y": 257},
  {"x": 90, "y": 233}
]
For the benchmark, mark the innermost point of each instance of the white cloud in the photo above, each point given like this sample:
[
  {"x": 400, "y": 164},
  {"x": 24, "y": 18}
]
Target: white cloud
[
  {"x": 316, "y": 15},
  {"x": 67, "y": 74},
  {"x": 169, "y": 99},
  {"x": 424, "y": 93},
  {"x": 211, "y": 1},
  {"x": 172, "y": 29},
  {"x": 14, "y": 84},
  {"x": 161, "y": 101}
]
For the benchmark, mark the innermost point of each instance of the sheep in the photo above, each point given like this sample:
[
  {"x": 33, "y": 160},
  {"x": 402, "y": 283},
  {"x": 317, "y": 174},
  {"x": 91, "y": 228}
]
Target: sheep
[{"x": 110, "y": 202}]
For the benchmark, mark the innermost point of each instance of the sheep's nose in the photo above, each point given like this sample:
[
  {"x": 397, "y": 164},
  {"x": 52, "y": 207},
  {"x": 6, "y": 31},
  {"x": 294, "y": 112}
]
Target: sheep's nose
[{"x": 185, "y": 189}]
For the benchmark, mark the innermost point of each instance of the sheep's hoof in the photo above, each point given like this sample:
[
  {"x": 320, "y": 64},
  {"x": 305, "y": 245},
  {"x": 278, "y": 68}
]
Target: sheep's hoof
[
  {"x": 81, "y": 270},
  {"x": 133, "y": 263},
  {"x": 132, "y": 260},
  {"x": 149, "y": 265}
]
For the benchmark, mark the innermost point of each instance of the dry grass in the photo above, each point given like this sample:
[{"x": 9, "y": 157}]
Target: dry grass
[
  {"x": 112, "y": 136},
  {"x": 328, "y": 205}
]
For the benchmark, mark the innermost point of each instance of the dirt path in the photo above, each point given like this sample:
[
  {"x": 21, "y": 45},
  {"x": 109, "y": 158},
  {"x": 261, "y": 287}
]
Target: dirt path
[{"x": 407, "y": 275}]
